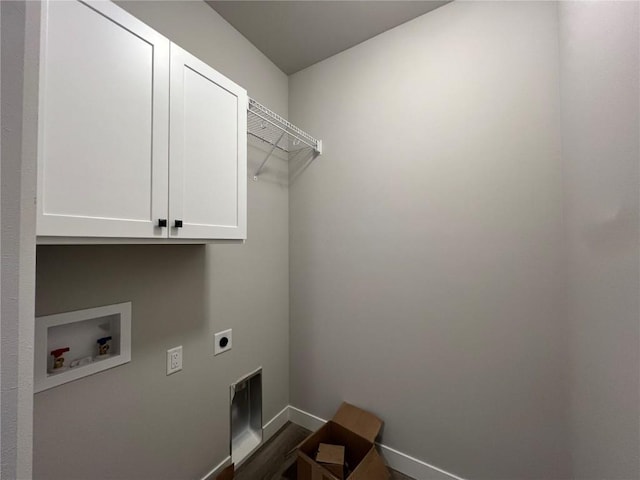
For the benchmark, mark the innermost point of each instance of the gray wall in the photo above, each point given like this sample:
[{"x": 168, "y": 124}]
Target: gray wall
[
  {"x": 426, "y": 243},
  {"x": 601, "y": 129},
  {"x": 433, "y": 278},
  {"x": 13, "y": 20},
  {"x": 134, "y": 422},
  {"x": 17, "y": 239}
]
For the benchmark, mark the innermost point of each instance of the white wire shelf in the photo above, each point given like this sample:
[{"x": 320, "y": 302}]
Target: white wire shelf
[{"x": 271, "y": 128}]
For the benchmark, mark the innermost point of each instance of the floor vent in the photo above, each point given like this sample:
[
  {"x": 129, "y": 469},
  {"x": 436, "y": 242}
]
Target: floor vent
[{"x": 246, "y": 416}]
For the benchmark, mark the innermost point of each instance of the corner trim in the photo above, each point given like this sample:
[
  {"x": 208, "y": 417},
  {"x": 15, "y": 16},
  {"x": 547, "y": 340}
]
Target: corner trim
[
  {"x": 268, "y": 430},
  {"x": 275, "y": 424},
  {"x": 217, "y": 469},
  {"x": 413, "y": 467},
  {"x": 304, "y": 419},
  {"x": 395, "y": 459}
]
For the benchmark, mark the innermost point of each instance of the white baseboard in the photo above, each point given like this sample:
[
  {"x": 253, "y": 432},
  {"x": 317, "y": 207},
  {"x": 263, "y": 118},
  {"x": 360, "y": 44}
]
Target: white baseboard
[
  {"x": 397, "y": 460},
  {"x": 215, "y": 471},
  {"x": 276, "y": 423},
  {"x": 268, "y": 431},
  {"x": 304, "y": 419},
  {"x": 413, "y": 467}
]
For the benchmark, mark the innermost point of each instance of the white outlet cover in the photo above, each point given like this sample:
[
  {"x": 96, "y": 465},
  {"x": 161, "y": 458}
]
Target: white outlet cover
[
  {"x": 174, "y": 360},
  {"x": 217, "y": 348}
]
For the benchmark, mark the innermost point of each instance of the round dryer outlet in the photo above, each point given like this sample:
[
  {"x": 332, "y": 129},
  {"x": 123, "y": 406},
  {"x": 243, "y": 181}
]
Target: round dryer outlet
[{"x": 222, "y": 342}]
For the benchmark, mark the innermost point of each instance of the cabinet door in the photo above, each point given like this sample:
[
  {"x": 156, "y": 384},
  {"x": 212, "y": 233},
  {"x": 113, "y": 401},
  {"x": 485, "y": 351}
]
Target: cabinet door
[
  {"x": 103, "y": 118},
  {"x": 208, "y": 152}
]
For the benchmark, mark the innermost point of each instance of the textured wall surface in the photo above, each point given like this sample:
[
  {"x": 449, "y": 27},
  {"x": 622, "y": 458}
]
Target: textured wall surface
[{"x": 17, "y": 240}]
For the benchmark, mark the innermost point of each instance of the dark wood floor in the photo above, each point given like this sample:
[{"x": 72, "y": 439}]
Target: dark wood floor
[{"x": 273, "y": 461}]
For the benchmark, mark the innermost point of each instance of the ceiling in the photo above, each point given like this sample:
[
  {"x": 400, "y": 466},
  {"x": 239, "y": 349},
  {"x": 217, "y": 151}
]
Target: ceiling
[{"x": 297, "y": 34}]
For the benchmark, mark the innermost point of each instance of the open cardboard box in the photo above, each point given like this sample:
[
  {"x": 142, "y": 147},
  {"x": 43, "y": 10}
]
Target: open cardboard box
[{"x": 356, "y": 430}]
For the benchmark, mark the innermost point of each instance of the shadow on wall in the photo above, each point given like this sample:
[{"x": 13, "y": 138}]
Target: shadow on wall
[
  {"x": 168, "y": 289},
  {"x": 165, "y": 283},
  {"x": 299, "y": 162},
  {"x": 615, "y": 233},
  {"x": 274, "y": 171}
]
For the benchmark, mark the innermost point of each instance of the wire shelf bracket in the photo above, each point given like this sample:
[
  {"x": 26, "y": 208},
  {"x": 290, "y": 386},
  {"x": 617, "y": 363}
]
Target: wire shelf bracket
[{"x": 271, "y": 128}]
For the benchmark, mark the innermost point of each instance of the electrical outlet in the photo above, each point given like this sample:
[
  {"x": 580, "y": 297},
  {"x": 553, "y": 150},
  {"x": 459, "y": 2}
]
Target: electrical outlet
[
  {"x": 174, "y": 360},
  {"x": 223, "y": 342}
]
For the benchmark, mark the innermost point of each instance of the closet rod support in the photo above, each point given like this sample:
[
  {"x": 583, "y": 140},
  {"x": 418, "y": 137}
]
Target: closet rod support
[
  {"x": 255, "y": 177},
  {"x": 284, "y": 129}
]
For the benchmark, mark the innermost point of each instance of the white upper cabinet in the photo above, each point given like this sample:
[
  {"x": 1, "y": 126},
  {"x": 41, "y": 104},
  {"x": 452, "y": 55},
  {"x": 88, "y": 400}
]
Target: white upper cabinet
[
  {"x": 104, "y": 119},
  {"x": 208, "y": 149},
  {"x": 107, "y": 84}
]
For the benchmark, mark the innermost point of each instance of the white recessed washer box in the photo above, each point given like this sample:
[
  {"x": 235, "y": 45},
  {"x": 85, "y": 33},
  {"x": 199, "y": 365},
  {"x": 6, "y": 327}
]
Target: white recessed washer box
[{"x": 89, "y": 341}]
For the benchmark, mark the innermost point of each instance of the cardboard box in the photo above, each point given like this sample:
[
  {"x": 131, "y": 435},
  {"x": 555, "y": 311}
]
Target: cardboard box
[
  {"x": 356, "y": 430},
  {"x": 331, "y": 457}
]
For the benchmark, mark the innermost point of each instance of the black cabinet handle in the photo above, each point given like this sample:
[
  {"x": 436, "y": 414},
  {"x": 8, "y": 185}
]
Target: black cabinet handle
[
  {"x": 177, "y": 223},
  {"x": 162, "y": 222}
]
